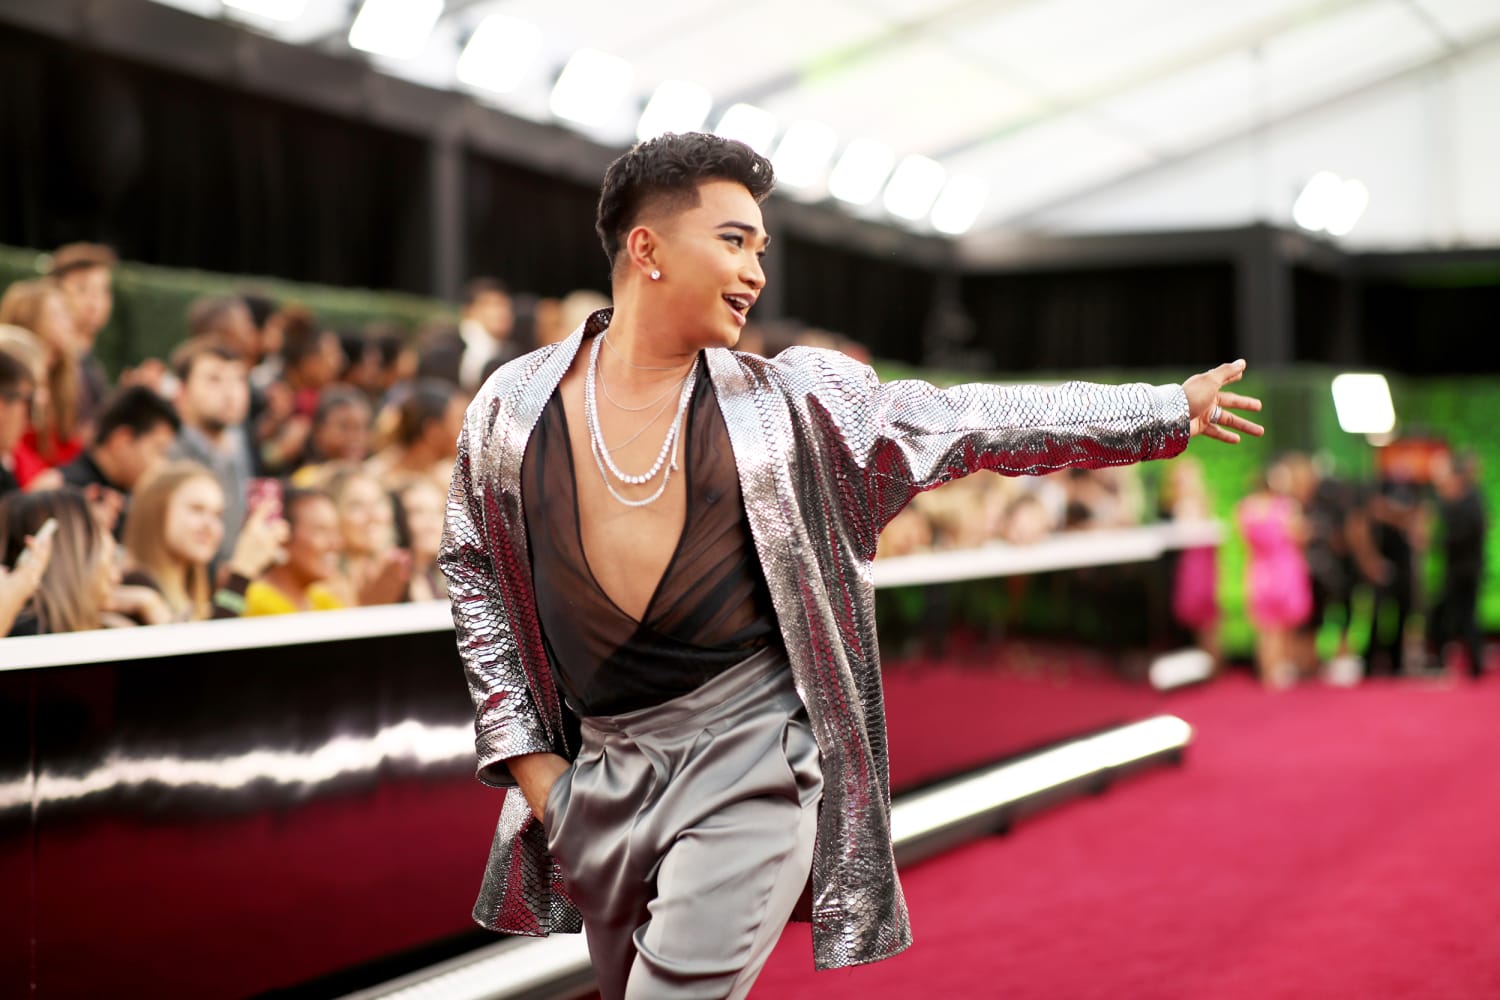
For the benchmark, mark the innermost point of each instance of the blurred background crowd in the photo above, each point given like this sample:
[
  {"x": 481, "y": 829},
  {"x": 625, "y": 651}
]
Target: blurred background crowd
[{"x": 273, "y": 464}]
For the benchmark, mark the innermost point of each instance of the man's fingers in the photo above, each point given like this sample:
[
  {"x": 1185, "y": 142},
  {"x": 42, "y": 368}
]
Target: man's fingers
[
  {"x": 1233, "y": 400},
  {"x": 1232, "y": 372},
  {"x": 1230, "y": 420},
  {"x": 1222, "y": 434}
]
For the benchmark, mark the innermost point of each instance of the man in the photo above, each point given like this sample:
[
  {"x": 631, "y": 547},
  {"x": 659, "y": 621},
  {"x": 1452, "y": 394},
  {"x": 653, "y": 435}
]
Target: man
[
  {"x": 482, "y": 341},
  {"x": 85, "y": 273},
  {"x": 135, "y": 430},
  {"x": 213, "y": 401},
  {"x": 17, "y": 392},
  {"x": 673, "y": 540},
  {"x": 1461, "y": 512}
]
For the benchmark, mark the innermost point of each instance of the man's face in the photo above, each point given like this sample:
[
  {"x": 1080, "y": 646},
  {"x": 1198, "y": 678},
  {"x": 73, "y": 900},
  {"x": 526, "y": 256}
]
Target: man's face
[
  {"x": 140, "y": 453},
  {"x": 709, "y": 257},
  {"x": 492, "y": 310},
  {"x": 90, "y": 296},
  {"x": 15, "y": 412},
  {"x": 216, "y": 394},
  {"x": 344, "y": 434}
]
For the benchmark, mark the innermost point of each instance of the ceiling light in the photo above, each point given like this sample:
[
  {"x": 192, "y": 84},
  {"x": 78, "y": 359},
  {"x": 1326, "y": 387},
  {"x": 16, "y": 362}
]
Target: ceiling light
[
  {"x": 1331, "y": 204},
  {"x": 913, "y": 187},
  {"x": 397, "y": 29},
  {"x": 959, "y": 205},
  {"x": 591, "y": 87},
  {"x": 271, "y": 10},
  {"x": 748, "y": 124},
  {"x": 676, "y": 106},
  {"x": 501, "y": 53},
  {"x": 1353, "y": 198},
  {"x": 804, "y": 153},
  {"x": 860, "y": 172},
  {"x": 1363, "y": 404}
]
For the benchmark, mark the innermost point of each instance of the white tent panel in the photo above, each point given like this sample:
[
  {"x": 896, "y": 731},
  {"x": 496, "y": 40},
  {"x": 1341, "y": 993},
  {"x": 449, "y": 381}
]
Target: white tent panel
[
  {"x": 1047, "y": 162},
  {"x": 1336, "y": 54},
  {"x": 914, "y": 97},
  {"x": 1186, "y": 110},
  {"x": 1463, "y": 19},
  {"x": 1472, "y": 147}
]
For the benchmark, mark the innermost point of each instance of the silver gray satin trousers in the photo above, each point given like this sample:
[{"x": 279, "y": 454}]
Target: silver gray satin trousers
[{"x": 685, "y": 832}]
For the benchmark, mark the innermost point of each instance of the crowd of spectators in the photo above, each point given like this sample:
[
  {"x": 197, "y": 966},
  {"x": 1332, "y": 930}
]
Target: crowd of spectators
[
  {"x": 1346, "y": 560},
  {"x": 268, "y": 465},
  {"x": 271, "y": 464}
]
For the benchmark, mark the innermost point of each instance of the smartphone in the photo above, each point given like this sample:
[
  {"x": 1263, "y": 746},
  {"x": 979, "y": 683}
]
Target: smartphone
[
  {"x": 46, "y": 531},
  {"x": 264, "y": 489}
]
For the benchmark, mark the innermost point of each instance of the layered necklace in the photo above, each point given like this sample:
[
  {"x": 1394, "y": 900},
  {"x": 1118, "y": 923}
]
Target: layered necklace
[{"x": 669, "y": 446}]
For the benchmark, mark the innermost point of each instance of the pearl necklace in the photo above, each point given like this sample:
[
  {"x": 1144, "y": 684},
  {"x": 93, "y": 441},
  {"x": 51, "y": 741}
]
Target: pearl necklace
[{"x": 602, "y": 458}]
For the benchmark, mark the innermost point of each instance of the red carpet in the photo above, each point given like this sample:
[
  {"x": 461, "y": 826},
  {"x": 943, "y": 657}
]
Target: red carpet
[{"x": 1318, "y": 843}]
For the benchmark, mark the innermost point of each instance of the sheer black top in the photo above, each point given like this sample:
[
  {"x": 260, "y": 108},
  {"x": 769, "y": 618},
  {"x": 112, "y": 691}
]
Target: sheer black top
[{"x": 711, "y": 609}]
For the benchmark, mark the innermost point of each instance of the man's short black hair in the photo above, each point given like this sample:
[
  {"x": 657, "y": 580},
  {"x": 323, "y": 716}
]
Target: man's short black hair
[
  {"x": 138, "y": 409},
  {"x": 665, "y": 172}
]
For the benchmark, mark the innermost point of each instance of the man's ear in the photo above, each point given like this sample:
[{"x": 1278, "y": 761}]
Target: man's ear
[{"x": 640, "y": 249}]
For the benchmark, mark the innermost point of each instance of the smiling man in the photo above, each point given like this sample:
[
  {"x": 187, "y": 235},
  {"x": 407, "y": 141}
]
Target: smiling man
[{"x": 658, "y": 552}]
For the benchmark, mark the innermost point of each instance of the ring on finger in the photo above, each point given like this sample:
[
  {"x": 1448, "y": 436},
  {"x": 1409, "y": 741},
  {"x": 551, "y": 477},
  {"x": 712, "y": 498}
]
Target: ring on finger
[{"x": 1215, "y": 414}]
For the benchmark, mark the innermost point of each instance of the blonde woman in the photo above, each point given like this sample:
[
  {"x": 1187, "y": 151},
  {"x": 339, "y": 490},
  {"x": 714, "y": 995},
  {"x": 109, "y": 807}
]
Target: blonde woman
[
  {"x": 77, "y": 587},
  {"x": 57, "y": 436},
  {"x": 173, "y": 531},
  {"x": 372, "y": 569}
]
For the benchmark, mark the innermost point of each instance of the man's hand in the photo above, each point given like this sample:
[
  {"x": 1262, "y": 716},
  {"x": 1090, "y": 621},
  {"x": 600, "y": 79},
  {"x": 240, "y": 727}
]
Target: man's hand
[
  {"x": 1209, "y": 404},
  {"x": 535, "y": 773}
]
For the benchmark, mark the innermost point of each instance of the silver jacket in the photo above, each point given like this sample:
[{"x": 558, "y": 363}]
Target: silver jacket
[{"x": 827, "y": 455}]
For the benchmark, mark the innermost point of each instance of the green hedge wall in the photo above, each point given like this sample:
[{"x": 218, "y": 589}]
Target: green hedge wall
[{"x": 151, "y": 304}]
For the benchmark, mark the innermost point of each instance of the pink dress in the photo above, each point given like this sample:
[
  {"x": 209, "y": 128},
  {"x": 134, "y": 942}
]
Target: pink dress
[
  {"x": 1280, "y": 592},
  {"x": 1195, "y": 591}
]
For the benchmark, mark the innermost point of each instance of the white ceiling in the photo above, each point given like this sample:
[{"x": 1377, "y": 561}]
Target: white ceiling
[{"x": 1080, "y": 115}]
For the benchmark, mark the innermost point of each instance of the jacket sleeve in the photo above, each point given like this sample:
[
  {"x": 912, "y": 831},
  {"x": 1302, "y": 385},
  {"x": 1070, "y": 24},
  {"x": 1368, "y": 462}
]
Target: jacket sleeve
[
  {"x": 506, "y": 721},
  {"x": 903, "y": 437}
]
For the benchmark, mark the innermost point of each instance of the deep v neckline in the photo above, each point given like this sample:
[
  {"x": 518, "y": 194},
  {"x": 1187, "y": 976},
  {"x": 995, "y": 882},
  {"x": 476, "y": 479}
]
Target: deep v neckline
[{"x": 687, "y": 509}]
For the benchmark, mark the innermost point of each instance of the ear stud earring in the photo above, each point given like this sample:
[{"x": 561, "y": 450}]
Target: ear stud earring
[{"x": 655, "y": 275}]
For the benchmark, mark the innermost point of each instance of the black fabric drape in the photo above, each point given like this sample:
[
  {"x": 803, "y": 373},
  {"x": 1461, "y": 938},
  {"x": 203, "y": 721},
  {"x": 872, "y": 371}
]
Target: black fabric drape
[
  {"x": 882, "y": 303},
  {"x": 532, "y": 230},
  {"x": 173, "y": 170},
  {"x": 1145, "y": 317}
]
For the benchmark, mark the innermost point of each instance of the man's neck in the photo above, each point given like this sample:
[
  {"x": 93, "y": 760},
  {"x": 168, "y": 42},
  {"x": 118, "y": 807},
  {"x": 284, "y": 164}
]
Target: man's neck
[{"x": 631, "y": 356}]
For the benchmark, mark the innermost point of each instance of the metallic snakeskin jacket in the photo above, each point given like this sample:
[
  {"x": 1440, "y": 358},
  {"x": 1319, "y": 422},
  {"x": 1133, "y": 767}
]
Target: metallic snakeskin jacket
[{"x": 826, "y": 456}]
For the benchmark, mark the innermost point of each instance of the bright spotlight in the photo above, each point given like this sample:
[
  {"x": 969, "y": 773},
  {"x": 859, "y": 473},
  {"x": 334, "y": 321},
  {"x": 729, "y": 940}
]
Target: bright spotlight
[
  {"x": 913, "y": 187},
  {"x": 959, "y": 205},
  {"x": 804, "y": 154},
  {"x": 1331, "y": 204},
  {"x": 591, "y": 87},
  {"x": 676, "y": 106},
  {"x": 753, "y": 126},
  {"x": 396, "y": 29},
  {"x": 1363, "y": 404},
  {"x": 1354, "y": 197},
  {"x": 502, "y": 52},
  {"x": 271, "y": 10},
  {"x": 860, "y": 172}
]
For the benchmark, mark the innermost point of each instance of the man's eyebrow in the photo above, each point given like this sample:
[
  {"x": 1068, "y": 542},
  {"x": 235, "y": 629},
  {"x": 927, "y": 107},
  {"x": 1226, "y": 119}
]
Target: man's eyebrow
[{"x": 748, "y": 229}]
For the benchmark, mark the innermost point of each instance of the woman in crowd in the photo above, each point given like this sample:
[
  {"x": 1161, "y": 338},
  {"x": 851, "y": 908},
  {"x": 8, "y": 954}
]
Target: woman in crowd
[
  {"x": 77, "y": 587},
  {"x": 373, "y": 570},
  {"x": 423, "y": 434},
  {"x": 419, "y": 530},
  {"x": 301, "y": 582},
  {"x": 56, "y": 437},
  {"x": 1279, "y": 595},
  {"x": 1195, "y": 582},
  {"x": 173, "y": 531}
]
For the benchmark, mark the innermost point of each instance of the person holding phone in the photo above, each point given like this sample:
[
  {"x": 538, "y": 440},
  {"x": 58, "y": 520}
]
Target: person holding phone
[
  {"x": 75, "y": 584},
  {"x": 173, "y": 532}
]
